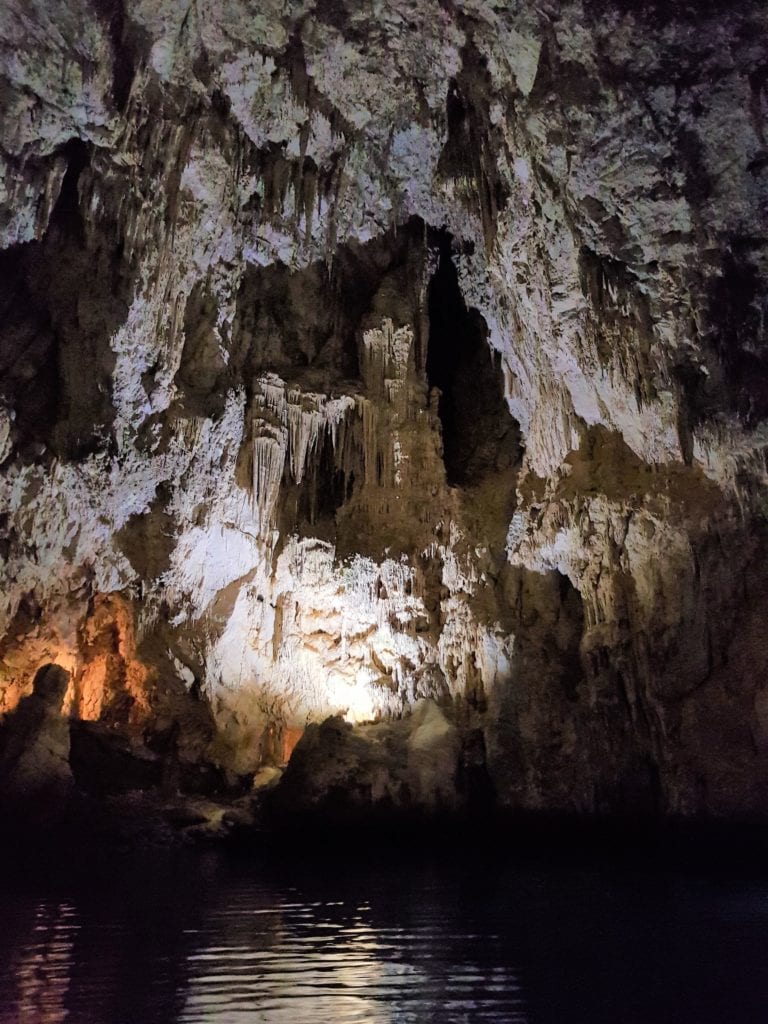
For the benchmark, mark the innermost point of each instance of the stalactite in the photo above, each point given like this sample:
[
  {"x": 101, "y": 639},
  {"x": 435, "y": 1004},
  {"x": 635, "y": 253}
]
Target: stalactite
[
  {"x": 269, "y": 450},
  {"x": 290, "y": 427}
]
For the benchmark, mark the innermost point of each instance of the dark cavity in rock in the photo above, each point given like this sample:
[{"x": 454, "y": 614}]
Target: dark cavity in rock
[{"x": 480, "y": 436}]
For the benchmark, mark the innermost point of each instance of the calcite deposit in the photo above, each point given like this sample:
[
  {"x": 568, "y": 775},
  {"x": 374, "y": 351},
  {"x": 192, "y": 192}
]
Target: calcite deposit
[{"x": 354, "y": 354}]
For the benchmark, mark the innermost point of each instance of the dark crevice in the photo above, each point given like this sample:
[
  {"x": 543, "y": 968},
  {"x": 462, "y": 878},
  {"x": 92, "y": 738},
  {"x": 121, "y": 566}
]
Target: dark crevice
[
  {"x": 309, "y": 509},
  {"x": 28, "y": 356},
  {"x": 727, "y": 366},
  {"x": 620, "y": 310},
  {"x": 738, "y": 309},
  {"x": 112, "y": 12},
  {"x": 470, "y": 155},
  {"x": 66, "y": 217},
  {"x": 480, "y": 437},
  {"x": 61, "y": 300},
  {"x": 570, "y": 633},
  {"x": 325, "y": 490}
]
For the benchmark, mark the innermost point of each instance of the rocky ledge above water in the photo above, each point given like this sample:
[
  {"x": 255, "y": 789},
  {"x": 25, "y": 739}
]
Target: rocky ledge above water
[{"x": 66, "y": 785}]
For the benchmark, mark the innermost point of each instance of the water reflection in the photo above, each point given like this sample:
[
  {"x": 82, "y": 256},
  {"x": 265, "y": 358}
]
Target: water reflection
[
  {"x": 209, "y": 941},
  {"x": 43, "y": 965},
  {"x": 329, "y": 961}
]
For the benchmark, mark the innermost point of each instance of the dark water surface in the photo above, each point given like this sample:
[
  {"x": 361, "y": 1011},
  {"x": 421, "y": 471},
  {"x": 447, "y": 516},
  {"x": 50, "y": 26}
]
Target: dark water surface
[{"x": 392, "y": 937}]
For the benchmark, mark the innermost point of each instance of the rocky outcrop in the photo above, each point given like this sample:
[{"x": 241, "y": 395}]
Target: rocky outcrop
[
  {"x": 354, "y": 355},
  {"x": 35, "y": 775},
  {"x": 346, "y": 775}
]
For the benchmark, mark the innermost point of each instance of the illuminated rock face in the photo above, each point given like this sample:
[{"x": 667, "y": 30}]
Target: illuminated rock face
[{"x": 353, "y": 356}]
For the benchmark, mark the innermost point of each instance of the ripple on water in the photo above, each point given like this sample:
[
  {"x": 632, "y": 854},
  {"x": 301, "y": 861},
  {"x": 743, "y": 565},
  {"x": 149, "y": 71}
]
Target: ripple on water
[
  {"x": 220, "y": 943},
  {"x": 346, "y": 971}
]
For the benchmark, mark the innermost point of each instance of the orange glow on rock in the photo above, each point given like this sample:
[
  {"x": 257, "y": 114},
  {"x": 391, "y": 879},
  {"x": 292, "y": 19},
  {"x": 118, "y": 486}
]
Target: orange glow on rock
[
  {"x": 108, "y": 680},
  {"x": 112, "y": 683},
  {"x": 290, "y": 738}
]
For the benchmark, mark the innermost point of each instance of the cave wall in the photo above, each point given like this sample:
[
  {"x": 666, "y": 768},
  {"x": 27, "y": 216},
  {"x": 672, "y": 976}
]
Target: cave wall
[{"x": 357, "y": 353}]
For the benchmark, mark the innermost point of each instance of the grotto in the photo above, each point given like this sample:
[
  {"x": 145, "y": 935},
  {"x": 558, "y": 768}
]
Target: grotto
[{"x": 383, "y": 485}]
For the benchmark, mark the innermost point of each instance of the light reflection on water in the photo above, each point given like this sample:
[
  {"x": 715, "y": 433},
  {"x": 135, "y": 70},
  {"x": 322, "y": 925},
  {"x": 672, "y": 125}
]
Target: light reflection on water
[
  {"x": 212, "y": 941},
  {"x": 301, "y": 966},
  {"x": 43, "y": 966},
  {"x": 332, "y": 961}
]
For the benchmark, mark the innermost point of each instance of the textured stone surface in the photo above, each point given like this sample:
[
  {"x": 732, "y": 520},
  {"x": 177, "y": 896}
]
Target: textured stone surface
[
  {"x": 345, "y": 773},
  {"x": 354, "y": 354}
]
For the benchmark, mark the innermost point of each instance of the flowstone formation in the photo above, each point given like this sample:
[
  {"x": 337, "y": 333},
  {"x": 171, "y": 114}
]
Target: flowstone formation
[{"x": 358, "y": 354}]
